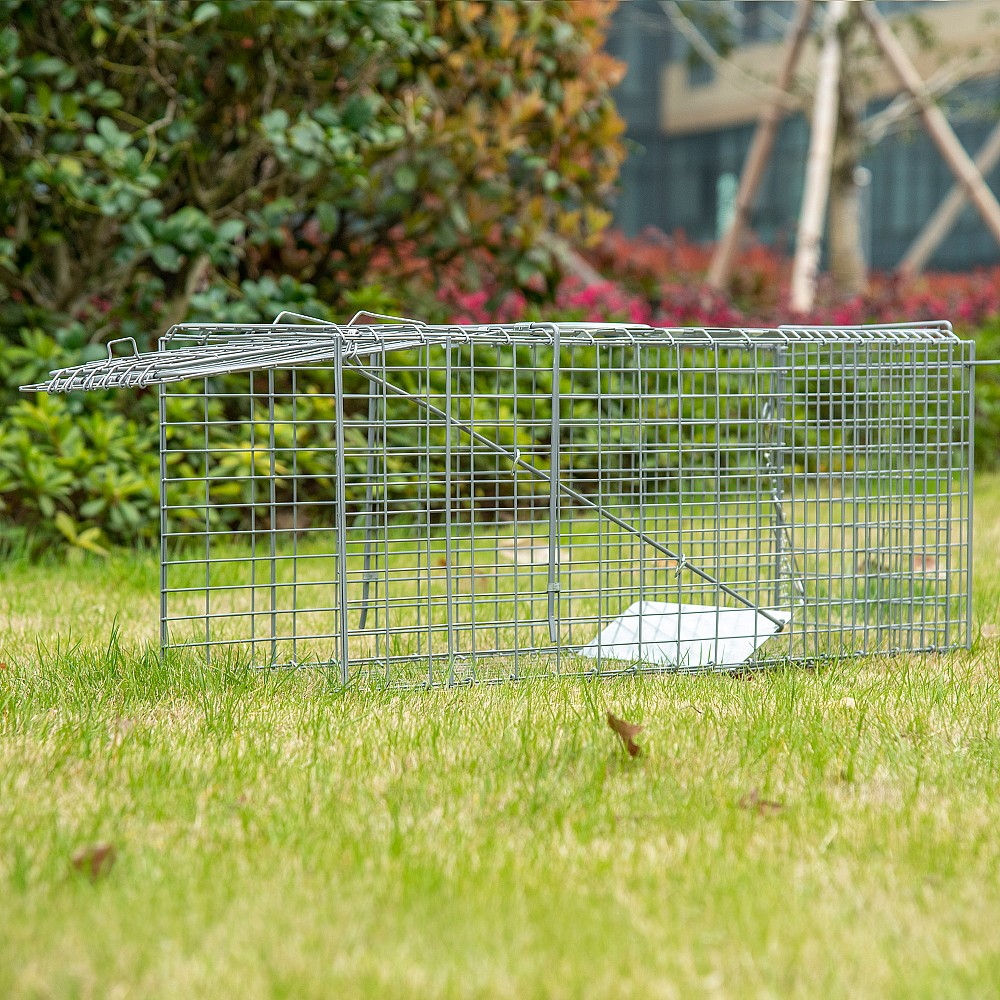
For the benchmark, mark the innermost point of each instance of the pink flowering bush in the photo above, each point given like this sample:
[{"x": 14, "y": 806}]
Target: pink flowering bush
[
  {"x": 603, "y": 303},
  {"x": 661, "y": 280}
]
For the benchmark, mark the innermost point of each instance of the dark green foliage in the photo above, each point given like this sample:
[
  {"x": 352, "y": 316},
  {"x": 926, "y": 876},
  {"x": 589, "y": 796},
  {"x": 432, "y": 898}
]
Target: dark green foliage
[
  {"x": 78, "y": 469},
  {"x": 162, "y": 161},
  {"x": 226, "y": 161}
]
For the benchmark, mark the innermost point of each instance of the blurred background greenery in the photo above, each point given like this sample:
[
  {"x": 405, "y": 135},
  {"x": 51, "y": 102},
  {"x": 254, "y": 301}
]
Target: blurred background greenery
[{"x": 223, "y": 161}]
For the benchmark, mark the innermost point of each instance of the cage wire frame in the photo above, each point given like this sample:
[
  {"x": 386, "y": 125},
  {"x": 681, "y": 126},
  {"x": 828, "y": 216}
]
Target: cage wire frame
[{"x": 429, "y": 504}]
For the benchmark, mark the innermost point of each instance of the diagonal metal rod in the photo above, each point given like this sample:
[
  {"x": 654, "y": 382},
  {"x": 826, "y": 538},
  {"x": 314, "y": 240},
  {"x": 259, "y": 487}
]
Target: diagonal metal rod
[{"x": 518, "y": 462}]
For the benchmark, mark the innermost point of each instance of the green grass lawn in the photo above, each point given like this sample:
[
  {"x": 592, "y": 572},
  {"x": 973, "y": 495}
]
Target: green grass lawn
[{"x": 276, "y": 836}]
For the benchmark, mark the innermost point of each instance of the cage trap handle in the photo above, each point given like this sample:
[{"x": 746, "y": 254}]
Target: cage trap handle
[
  {"x": 122, "y": 340},
  {"x": 395, "y": 319}
]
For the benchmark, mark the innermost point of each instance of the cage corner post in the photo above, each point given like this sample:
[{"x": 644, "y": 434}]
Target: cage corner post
[
  {"x": 161, "y": 394},
  {"x": 338, "y": 390},
  {"x": 554, "y": 568},
  {"x": 449, "y": 541},
  {"x": 970, "y": 464},
  {"x": 272, "y": 514}
]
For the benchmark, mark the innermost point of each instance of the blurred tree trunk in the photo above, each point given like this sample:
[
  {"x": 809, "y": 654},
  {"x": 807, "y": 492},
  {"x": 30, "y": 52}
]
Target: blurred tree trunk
[
  {"x": 816, "y": 193},
  {"x": 848, "y": 267},
  {"x": 721, "y": 268}
]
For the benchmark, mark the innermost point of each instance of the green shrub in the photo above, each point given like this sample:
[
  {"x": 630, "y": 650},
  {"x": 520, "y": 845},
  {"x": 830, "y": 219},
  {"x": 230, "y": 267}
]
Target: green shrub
[
  {"x": 76, "y": 470},
  {"x": 193, "y": 160},
  {"x": 163, "y": 161}
]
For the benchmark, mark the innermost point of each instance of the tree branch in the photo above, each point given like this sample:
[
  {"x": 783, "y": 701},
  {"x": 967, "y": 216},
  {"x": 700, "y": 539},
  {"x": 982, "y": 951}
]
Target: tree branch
[
  {"x": 905, "y": 105},
  {"x": 196, "y": 274},
  {"x": 723, "y": 66}
]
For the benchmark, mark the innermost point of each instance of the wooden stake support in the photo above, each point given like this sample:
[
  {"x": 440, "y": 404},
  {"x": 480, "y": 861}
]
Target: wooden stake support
[
  {"x": 939, "y": 224},
  {"x": 970, "y": 185},
  {"x": 721, "y": 268},
  {"x": 965, "y": 171},
  {"x": 817, "y": 186}
]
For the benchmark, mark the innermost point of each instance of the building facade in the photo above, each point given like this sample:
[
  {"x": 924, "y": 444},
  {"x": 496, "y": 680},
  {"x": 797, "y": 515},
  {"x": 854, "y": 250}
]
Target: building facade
[{"x": 690, "y": 124}]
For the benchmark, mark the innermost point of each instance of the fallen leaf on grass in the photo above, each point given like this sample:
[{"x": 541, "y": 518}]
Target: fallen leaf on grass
[
  {"x": 628, "y": 731},
  {"x": 763, "y": 807},
  {"x": 3, "y": 665},
  {"x": 94, "y": 860}
]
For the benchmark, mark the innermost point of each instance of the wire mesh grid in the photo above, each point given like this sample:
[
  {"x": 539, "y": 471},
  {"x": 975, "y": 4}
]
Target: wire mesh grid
[{"x": 445, "y": 504}]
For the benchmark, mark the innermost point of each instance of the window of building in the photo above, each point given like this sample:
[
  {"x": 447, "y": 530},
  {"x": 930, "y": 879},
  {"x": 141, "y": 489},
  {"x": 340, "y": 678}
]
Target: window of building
[{"x": 700, "y": 72}]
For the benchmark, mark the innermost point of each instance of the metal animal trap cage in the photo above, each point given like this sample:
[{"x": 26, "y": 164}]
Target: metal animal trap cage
[{"x": 435, "y": 504}]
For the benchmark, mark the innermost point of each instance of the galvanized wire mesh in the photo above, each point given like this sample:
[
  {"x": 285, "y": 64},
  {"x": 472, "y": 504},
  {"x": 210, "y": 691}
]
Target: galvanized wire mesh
[{"x": 441, "y": 504}]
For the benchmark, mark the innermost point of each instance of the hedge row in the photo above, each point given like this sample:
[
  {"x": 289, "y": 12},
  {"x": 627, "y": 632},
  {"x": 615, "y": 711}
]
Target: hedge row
[{"x": 83, "y": 469}]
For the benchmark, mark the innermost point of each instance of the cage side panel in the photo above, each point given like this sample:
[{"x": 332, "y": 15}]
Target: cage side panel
[
  {"x": 250, "y": 547},
  {"x": 681, "y": 456},
  {"x": 878, "y": 472},
  {"x": 665, "y": 458}
]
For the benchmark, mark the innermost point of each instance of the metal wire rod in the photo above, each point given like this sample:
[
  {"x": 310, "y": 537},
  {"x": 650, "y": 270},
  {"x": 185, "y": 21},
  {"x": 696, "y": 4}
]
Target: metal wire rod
[{"x": 518, "y": 462}]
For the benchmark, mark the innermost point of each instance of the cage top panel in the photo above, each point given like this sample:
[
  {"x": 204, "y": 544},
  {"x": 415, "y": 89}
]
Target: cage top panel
[{"x": 203, "y": 350}]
